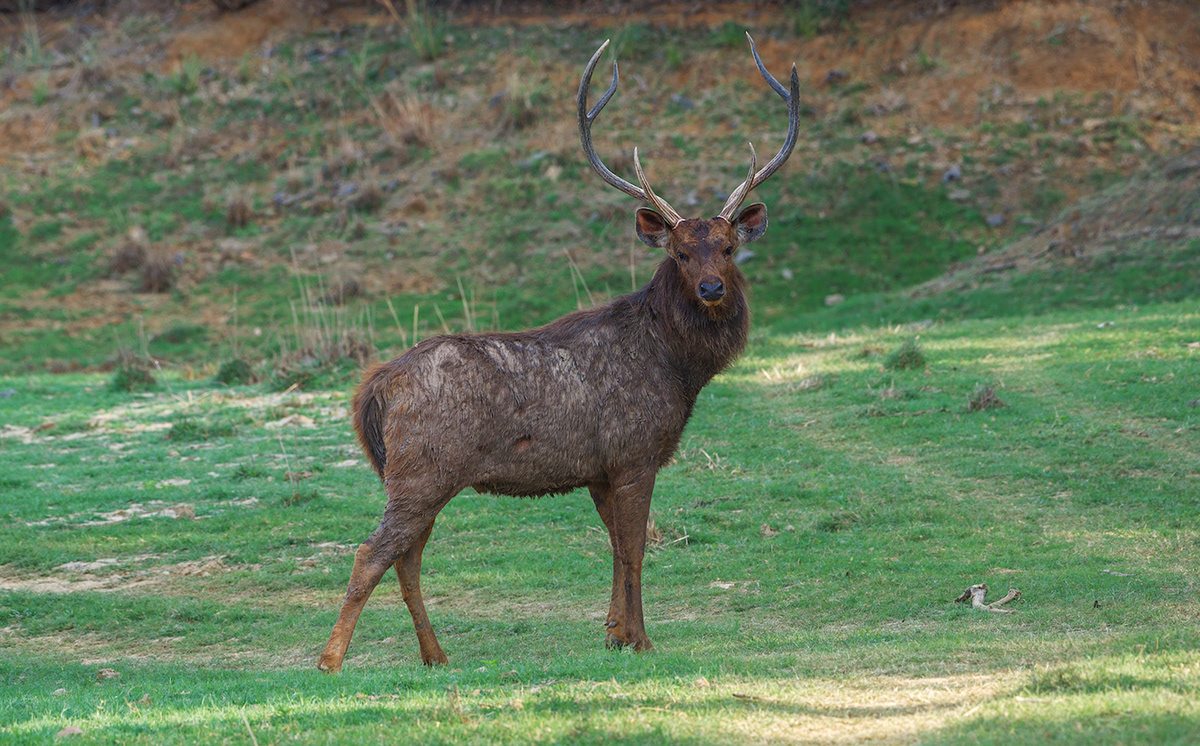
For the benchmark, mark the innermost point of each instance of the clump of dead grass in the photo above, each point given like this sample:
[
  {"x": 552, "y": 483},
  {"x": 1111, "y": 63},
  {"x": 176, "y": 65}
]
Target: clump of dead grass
[
  {"x": 368, "y": 198},
  {"x": 907, "y": 356},
  {"x": 326, "y": 342},
  {"x": 983, "y": 398},
  {"x": 133, "y": 372},
  {"x": 342, "y": 292},
  {"x": 236, "y": 372},
  {"x": 158, "y": 271},
  {"x": 130, "y": 254},
  {"x": 406, "y": 118},
  {"x": 238, "y": 212},
  {"x": 520, "y": 103}
]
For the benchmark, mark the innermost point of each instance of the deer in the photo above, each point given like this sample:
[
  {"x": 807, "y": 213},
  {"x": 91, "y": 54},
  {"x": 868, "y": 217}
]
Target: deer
[{"x": 598, "y": 398}]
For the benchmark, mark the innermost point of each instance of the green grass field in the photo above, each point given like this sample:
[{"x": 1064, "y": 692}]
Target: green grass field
[
  {"x": 823, "y": 513},
  {"x": 173, "y": 553}
]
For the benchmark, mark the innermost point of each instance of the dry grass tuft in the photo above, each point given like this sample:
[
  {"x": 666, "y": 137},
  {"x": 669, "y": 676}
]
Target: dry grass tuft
[
  {"x": 369, "y": 198},
  {"x": 133, "y": 372},
  {"x": 128, "y": 256},
  {"x": 238, "y": 212},
  {"x": 158, "y": 271},
  {"x": 983, "y": 398},
  {"x": 906, "y": 357},
  {"x": 131, "y": 254},
  {"x": 342, "y": 292},
  {"x": 406, "y": 119}
]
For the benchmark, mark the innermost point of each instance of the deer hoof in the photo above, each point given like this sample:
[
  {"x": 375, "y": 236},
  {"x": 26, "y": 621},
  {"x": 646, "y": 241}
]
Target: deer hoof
[
  {"x": 613, "y": 643},
  {"x": 328, "y": 666}
]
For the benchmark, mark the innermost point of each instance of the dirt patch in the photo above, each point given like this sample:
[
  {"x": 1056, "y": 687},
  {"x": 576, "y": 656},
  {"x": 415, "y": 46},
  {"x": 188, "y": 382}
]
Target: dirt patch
[{"x": 117, "y": 575}]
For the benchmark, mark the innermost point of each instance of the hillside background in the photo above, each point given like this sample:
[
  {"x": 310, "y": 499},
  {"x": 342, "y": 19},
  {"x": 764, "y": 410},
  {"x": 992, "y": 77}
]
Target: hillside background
[{"x": 197, "y": 186}]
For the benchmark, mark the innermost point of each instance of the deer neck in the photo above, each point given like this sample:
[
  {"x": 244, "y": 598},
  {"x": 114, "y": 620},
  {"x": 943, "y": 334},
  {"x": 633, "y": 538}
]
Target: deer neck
[{"x": 699, "y": 343}]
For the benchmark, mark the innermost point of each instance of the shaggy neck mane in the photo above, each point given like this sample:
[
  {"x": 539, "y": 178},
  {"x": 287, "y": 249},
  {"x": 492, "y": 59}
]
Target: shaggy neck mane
[{"x": 700, "y": 341}]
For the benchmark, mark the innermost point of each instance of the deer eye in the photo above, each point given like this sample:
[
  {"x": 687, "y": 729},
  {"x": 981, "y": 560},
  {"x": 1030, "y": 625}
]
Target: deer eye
[
  {"x": 682, "y": 256},
  {"x": 728, "y": 250}
]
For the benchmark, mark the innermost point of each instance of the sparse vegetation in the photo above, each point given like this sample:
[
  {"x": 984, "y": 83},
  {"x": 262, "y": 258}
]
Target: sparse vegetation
[
  {"x": 827, "y": 502},
  {"x": 236, "y": 372},
  {"x": 907, "y": 356}
]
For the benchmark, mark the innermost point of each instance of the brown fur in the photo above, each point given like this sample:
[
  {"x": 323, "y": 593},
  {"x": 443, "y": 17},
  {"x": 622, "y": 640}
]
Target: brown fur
[{"x": 597, "y": 399}]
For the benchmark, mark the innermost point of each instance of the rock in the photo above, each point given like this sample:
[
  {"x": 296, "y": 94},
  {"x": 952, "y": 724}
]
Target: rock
[
  {"x": 686, "y": 103},
  {"x": 959, "y": 195},
  {"x": 869, "y": 137},
  {"x": 836, "y": 76},
  {"x": 743, "y": 256},
  {"x": 786, "y": 273},
  {"x": 834, "y": 299},
  {"x": 995, "y": 220},
  {"x": 232, "y": 4},
  {"x": 954, "y": 173}
]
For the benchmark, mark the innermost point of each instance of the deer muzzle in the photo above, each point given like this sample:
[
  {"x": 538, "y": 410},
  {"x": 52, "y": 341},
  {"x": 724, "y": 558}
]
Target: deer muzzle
[{"x": 712, "y": 290}]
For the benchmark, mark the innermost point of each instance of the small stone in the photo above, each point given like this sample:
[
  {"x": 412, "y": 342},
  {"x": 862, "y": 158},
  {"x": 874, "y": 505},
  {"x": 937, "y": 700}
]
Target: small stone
[
  {"x": 954, "y": 173},
  {"x": 743, "y": 256},
  {"x": 959, "y": 195},
  {"x": 834, "y": 299},
  {"x": 995, "y": 220},
  {"x": 70, "y": 730},
  {"x": 686, "y": 103},
  {"x": 869, "y": 137},
  {"x": 835, "y": 76},
  {"x": 786, "y": 273}
]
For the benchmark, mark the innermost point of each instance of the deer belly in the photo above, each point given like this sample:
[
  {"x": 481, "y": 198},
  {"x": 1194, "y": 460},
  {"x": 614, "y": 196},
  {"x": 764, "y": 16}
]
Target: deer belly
[{"x": 527, "y": 465}]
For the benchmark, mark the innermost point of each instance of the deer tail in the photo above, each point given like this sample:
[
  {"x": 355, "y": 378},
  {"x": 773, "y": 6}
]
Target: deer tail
[{"x": 369, "y": 408}]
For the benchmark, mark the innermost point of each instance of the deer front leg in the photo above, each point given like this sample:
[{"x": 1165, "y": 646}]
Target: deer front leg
[
  {"x": 602, "y": 496},
  {"x": 631, "y": 508}
]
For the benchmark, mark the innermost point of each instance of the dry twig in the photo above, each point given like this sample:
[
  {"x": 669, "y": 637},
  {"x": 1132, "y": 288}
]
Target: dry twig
[{"x": 977, "y": 593}]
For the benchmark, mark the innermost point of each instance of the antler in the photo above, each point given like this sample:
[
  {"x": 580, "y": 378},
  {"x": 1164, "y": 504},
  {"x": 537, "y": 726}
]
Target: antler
[
  {"x": 792, "y": 99},
  {"x": 644, "y": 193}
]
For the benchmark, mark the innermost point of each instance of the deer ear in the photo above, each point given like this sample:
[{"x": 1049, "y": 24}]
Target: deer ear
[
  {"x": 751, "y": 223},
  {"x": 652, "y": 229}
]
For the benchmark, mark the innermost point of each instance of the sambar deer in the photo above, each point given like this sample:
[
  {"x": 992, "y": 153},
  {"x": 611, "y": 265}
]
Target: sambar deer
[{"x": 597, "y": 399}]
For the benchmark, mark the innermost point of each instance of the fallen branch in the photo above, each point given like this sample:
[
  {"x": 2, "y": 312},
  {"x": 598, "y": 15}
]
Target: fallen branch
[{"x": 977, "y": 593}]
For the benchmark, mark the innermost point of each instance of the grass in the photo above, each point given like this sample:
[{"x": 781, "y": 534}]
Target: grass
[
  {"x": 833, "y": 493},
  {"x": 836, "y": 621}
]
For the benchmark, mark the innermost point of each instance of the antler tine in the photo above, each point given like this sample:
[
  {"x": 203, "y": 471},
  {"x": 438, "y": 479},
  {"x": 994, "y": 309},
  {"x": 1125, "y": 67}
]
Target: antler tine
[
  {"x": 792, "y": 98},
  {"x": 586, "y": 117},
  {"x": 739, "y": 195},
  {"x": 658, "y": 203},
  {"x": 783, "y": 92}
]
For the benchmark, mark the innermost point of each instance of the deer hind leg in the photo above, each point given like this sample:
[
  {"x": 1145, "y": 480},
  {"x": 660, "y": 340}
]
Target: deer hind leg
[
  {"x": 405, "y": 526},
  {"x": 631, "y": 508},
  {"x": 408, "y": 570},
  {"x": 602, "y": 496}
]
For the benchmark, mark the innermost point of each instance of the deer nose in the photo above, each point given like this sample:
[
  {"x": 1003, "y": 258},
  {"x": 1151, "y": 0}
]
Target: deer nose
[{"x": 712, "y": 289}]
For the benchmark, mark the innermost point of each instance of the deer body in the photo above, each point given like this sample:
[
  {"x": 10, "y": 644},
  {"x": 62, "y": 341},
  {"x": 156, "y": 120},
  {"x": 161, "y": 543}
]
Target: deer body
[
  {"x": 597, "y": 399},
  {"x": 599, "y": 392}
]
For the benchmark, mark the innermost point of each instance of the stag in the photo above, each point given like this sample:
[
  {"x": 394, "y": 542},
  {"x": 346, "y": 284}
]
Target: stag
[{"x": 597, "y": 399}]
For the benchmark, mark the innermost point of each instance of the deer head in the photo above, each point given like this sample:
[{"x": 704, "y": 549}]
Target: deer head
[{"x": 703, "y": 249}]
